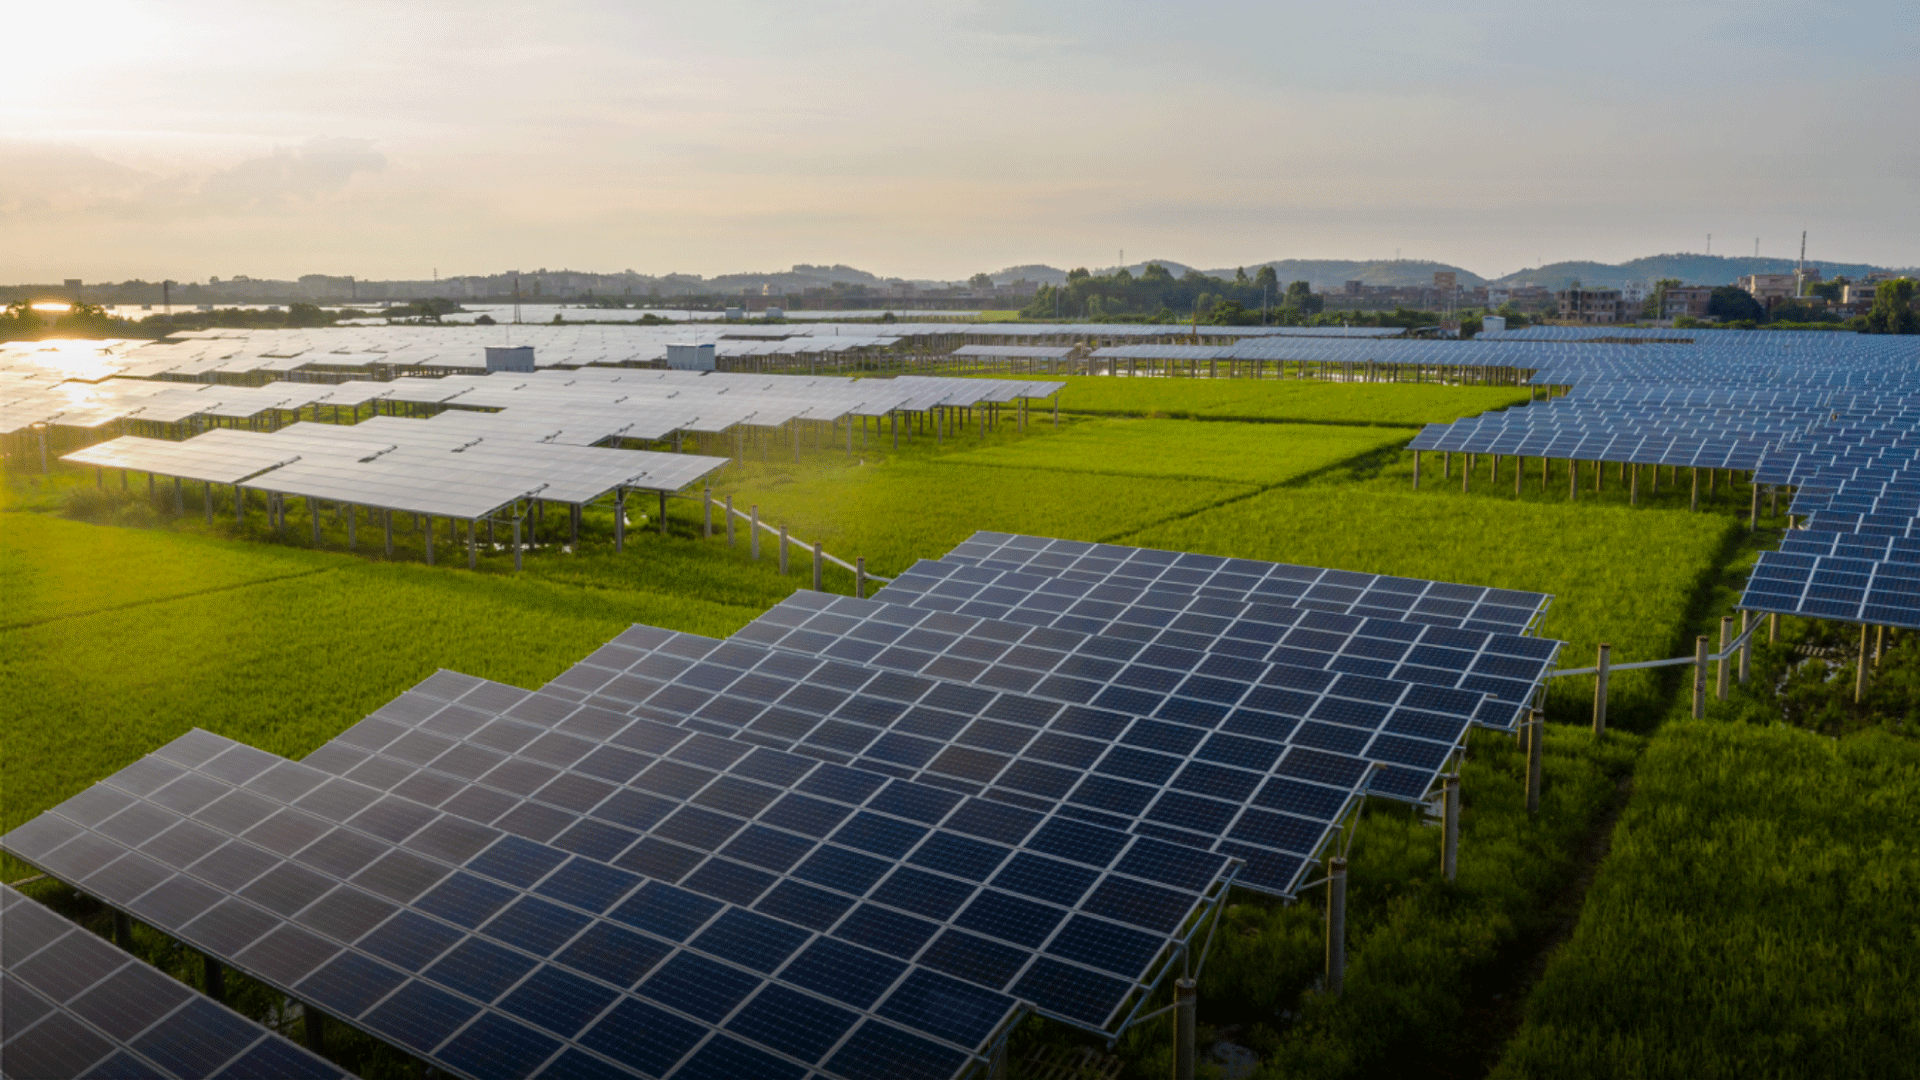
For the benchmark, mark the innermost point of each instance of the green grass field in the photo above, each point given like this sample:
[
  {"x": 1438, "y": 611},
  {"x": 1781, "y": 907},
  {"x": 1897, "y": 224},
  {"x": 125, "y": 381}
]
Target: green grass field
[
  {"x": 1309, "y": 401},
  {"x": 1262, "y": 454},
  {"x": 1754, "y": 918}
]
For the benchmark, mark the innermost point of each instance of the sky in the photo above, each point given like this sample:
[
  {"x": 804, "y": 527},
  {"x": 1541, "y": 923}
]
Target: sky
[{"x": 929, "y": 139}]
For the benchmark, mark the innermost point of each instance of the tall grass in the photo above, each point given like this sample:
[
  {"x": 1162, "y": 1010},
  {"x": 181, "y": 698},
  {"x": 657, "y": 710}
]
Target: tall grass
[{"x": 1755, "y": 917}]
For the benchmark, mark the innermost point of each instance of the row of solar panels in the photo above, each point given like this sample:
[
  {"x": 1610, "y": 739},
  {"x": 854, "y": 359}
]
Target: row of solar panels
[{"x": 771, "y": 856}]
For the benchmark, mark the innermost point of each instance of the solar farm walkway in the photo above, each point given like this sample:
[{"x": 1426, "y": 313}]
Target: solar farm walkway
[{"x": 859, "y": 840}]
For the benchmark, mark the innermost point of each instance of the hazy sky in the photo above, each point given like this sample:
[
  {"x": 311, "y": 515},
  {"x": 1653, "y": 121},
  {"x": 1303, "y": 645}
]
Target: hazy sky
[{"x": 187, "y": 138}]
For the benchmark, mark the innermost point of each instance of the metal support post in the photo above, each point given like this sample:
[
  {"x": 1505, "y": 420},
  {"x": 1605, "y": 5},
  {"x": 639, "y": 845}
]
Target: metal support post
[
  {"x": 179, "y": 504},
  {"x": 894, "y": 418},
  {"x": 1753, "y": 514},
  {"x": 1604, "y": 662},
  {"x": 1336, "y": 925},
  {"x": 1694, "y": 504},
  {"x": 817, "y": 566},
  {"x": 663, "y": 513},
  {"x": 313, "y": 512},
  {"x": 619, "y": 521},
  {"x": 1450, "y": 831},
  {"x": 860, "y": 578},
  {"x": 473, "y": 547},
  {"x": 706, "y": 513},
  {"x": 429, "y": 539},
  {"x": 1183, "y": 1023},
  {"x": 753, "y": 533},
  {"x": 1573, "y": 479},
  {"x": 783, "y": 551},
  {"x": 1466, "y": 475},
  {"x": 729, "y": 517},
  {"x": 1536, "y": 751},
  {"x": 352, "y": 514},
  {"x": 1724, "y": 669},
  {"x": 1416, "y": 470},
  {"x": 1700, "y": 677},
  {"x": 1633, "y": 488},
  {"x": 516, "y": 543},
  {"x": 239, "y": 505}
]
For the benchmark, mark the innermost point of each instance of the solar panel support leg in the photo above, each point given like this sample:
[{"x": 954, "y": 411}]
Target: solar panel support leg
[
  {"x": 1773, "y": 628},
  {"x": 1494, "y": 476},
  {"x": 1694, "y": 504},
  {"x": 1466, "y": 474},
  {"x": 729, "y": 517},
  {"x": 1573, "y": 479},
  {"x": 1536, "y": 739},
  {"x": 1450, "y": 833},
  {"x": 1603, "y": 663},
  {"x": 313, "y": 513},
  {"x": 619, "y": 524},
  {"x": 860, "y": 578},
  {"x": 1336, "y": 926},
  {"x": 1753, "y": 512},
  {"x": 663, "y": 513},
  {"x": 1446, "y": 465},
  {"x": 783, "y": 551},
  {"x": 206, "y": 490},
  {"x": 1879, "y": 642},
  {"x": 1746, "y": 652},
  {"x": 429, "y": 539},
  {"x": 894, "y": 418},
  {"x": 753, "y": 533},
  {"x": 122, "y": 930},
  {"x": 706, "y": 510},
  {"x": 353, "y": 514},
  {"x": 473, "y": 545},
  {"x": 150, "y": 495},
  {"x": 516, "y": 544},
  {"x": 1700, "y": 677},
  {"x": 386, "y": 521},
  {"x": 179, "y": 499},
  {"x": 1416, "y": 470},
  {"x": 314, "y": 1028},
  {"x": 1725, "y": 669},
  {"x": 819, "y": 564},
  {"x": 1633, "y": 488},
  {"x": 239, "y": 505},
  {"x": 1860, "y": 669},
  {"x": 1183, "y": 1020},
  {"x": 215, "y": 977}
]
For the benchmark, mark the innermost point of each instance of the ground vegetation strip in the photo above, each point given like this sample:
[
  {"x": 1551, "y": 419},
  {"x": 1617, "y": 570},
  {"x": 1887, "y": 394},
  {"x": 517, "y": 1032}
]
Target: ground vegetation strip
[
  {"x": 1305, "y": 401},
  {"x": 1754, "y": 918},
  {"x": 1262, "y": 454}
]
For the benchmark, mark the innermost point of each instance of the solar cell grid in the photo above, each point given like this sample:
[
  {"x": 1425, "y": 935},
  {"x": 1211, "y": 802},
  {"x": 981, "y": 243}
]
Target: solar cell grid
[{"x": 77, "y": 1006}]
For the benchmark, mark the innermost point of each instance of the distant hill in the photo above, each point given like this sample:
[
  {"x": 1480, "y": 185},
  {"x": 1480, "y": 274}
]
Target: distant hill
[
  {"x": 1320, "y": 273},
  {"x": 1691, "y": 269}
]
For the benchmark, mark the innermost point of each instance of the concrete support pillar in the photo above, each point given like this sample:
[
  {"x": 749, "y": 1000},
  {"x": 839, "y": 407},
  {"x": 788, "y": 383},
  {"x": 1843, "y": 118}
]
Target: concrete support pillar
[
  {"x": 1724, "y": 666},
  {"x": 1860, "y": 669},
  {"x": 783, "y": 551},
  {"x": 1536, "y": 752},
  {"x": 860, "y": 578},
  {"x": 1604, "y": 661},
  {"x": 753, "y": 532},
  {"x": 215, "y": 977},
  {"x": 1336, "y": 926},
  {"x": 1450, "y": 830},
  {"x": 819, "y": 564},
  {"x": 1700, "y": 677},
  {"x": 1746, "y": 651},
  {"x": 1184, "y": 999}
]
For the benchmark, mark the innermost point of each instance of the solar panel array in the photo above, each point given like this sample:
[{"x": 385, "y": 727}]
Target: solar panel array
[
  {"x": 76, "y": 1006},
  {"x": 852, "y": 841}
]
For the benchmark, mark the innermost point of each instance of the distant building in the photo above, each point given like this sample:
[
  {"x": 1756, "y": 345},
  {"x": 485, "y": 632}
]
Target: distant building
[
  {"x": 1770, "y": 289},
  {"x": 1592, "y": 306},
  {"x": 1688, "y": 300},
  {"x": 1499, "y": 296}
]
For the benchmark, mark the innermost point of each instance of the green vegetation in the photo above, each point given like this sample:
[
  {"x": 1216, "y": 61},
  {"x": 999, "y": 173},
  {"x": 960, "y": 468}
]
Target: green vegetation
[
  {"x": 1754, "y": 918},
  {"x": 1293, "y": 400},
  {"x": 1236, "y": 453}
]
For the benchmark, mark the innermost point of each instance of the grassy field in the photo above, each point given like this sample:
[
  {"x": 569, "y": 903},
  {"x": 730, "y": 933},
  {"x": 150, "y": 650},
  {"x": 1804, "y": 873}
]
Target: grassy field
[
  {"x": 1385, "y": 404},
  {"x": 1754, "y": 919},
  {"x": 1263, "y": 454}
]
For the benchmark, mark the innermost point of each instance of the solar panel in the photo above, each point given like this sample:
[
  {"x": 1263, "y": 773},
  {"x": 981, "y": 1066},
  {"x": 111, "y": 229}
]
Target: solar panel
[{"x": 74, "y": 1005}]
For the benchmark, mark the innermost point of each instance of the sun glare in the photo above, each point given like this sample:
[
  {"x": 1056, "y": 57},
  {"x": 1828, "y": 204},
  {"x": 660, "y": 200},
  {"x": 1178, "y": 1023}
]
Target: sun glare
[{"x": 51, "y": 305}]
